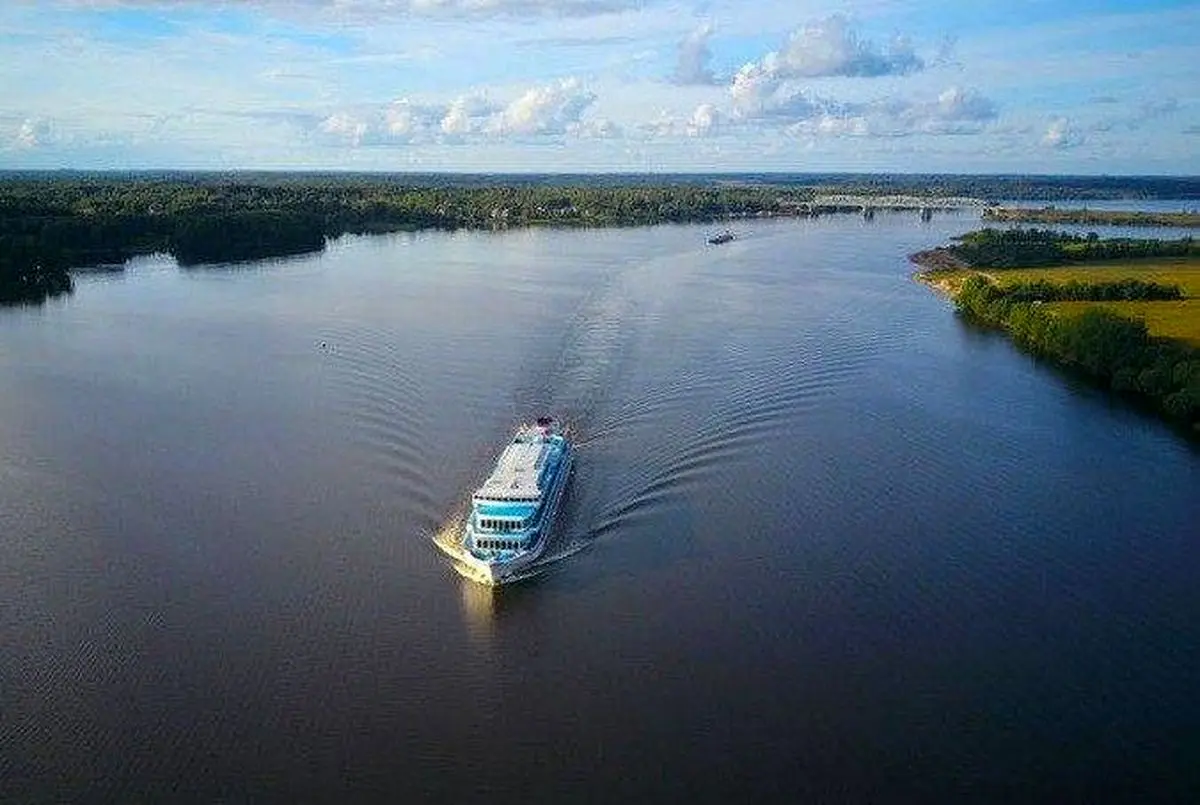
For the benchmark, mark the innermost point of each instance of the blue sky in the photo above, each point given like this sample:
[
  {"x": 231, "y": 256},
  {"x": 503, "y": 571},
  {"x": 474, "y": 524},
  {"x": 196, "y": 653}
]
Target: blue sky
[{"x": 1022, "y": 86}]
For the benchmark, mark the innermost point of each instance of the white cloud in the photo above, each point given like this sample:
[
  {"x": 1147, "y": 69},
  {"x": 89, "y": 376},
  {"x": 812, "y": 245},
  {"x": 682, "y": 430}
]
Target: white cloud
[
  {"x": 346, "y": 127},
  {"x": 692, "y": 65},
  {"x": 550, "y": 109},
  {"x": 404, "y": 120},
  {"x": 760, "y": 92},
  {"x": 770, "y": 88},
  {"x": 764, "y": 101},
  {"x": 465, "y": 115},
  {"x": 831, "y": 47},
  {"x": 956, "y": 111},
  {"x": 1061, "y": 135},
  {"x": 597, "y": 129},
  {"x": 704, "y": 121},
  {"x": 35, "y": 133}
]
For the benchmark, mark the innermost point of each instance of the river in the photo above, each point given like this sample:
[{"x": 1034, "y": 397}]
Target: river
[{"x": 824, "y": 541}]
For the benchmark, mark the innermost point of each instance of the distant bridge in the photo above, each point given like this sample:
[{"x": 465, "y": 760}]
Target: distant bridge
[{"x": 864, "y": 202}]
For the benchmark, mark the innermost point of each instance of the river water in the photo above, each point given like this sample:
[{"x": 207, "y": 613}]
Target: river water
[{"x": 823, "y": 541}]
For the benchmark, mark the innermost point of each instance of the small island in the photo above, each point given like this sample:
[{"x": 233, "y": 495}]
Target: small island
[{"x": 1124, "y": 313}]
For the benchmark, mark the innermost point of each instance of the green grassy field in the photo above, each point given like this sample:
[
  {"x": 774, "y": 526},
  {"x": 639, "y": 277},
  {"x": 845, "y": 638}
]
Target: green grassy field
[
  {"x": 1171, "y": 319},
  {"x": 1181, "y": 271}
]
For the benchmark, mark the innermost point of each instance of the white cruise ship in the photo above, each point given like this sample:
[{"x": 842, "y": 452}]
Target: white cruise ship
[{"x": 513, "y": 513}]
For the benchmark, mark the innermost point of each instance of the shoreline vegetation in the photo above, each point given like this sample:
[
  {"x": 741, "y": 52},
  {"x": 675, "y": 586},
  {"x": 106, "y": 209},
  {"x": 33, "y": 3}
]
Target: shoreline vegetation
[
  {"x": 51, "y": 223},
  {"x": 1123, "y": 313},
  {"x": 1053, "y": 215}
]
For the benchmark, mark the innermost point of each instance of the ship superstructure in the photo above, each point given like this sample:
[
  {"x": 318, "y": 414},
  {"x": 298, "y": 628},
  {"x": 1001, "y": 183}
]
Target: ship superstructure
[{"x": 513, "y": 512}]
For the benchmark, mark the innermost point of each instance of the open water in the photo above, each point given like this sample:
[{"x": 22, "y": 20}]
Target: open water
[{"x": 823, "y": 542}]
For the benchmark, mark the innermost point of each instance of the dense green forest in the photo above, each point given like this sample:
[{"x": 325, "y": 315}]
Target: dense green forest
[
  {"x": 50, "y": 223},
  {"x": 1113, "y": 350},
  {"x": 1028, "y": 248},
  {"x": 1128, "y": 290},
  {"x": 48, "y": 227}
]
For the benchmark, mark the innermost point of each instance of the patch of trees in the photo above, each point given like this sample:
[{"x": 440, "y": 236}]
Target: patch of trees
[
  {"x": 251, "y": 235},
  {"x": 1022, "y": 248},
  {"x": 1111, "y": 349},
  {"x": 1127, "y": 290},
  {"x": 1050, "y": 215}
]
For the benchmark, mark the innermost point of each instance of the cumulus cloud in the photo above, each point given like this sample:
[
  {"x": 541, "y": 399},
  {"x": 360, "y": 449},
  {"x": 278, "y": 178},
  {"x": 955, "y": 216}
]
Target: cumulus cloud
[
  {"x": 345, "y": 126},
  {"x": 769, "y": 88},
  {"x": 597, "y": 129},
  {"x": 35, "y": 133},
  {"x": 692, "y": 67},
  {"x": 831, "y": 47},
  {"x": 704, "y": 121},
  {"x": 956, "y": 111},
  {"x": 465, "y": 115},
  {"x": 404, "y": 120},
  {"x": 953, "y": 111},
  {"x": 759, "y": 92},
  {"x": 1060, "y": 134},
  {"x": 551, "y": 109}
]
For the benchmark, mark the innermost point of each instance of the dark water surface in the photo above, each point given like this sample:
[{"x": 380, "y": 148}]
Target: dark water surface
[{"x": 834, "y": 544}]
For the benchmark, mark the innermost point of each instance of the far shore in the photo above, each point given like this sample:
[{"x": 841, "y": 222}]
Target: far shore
[{"x": 1053, "y": 215}]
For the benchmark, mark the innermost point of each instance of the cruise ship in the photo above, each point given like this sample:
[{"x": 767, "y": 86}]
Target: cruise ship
[{"x": 513, "y": 512}]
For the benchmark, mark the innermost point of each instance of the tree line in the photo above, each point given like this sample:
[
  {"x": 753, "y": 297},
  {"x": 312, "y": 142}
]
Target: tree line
[
  {"x": 1127, "y": 290},
  {"x": 1027, "y": 248},
  {"x": 48, "y": 227},
  {"x": 1111, "y": 349}
]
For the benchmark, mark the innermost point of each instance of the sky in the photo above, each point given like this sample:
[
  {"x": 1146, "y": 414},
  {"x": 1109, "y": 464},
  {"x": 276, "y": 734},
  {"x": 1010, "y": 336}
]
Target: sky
[{"x": 946, "y": 86}]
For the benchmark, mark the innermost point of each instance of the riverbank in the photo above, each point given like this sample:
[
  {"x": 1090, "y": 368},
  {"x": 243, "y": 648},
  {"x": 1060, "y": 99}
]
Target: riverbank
[
  {"x": 1130, "y": 326},
  {"x": 1085, "y": 217},
  {"x": 51, "y": 223}
]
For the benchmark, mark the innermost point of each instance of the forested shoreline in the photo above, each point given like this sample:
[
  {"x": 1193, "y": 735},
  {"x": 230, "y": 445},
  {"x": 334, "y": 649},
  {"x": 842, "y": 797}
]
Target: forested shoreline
[
  {"x": 1113, "y": 350},
  {"x": 1028, "y": 248},
  {"x": 49, "y": 227},
  {"x": 51, "y": 223},
  {"x": 1086, "y": 217}
]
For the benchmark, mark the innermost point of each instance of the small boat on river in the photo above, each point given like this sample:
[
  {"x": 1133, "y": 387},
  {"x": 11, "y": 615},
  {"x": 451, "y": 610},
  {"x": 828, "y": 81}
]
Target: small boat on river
[
  {"x": 721, "y": 237},
  {"x": 513, "y": 512}
]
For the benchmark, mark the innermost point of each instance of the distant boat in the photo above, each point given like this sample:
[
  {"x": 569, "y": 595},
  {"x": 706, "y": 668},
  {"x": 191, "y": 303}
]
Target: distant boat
[{"x": 722, "y": 237}]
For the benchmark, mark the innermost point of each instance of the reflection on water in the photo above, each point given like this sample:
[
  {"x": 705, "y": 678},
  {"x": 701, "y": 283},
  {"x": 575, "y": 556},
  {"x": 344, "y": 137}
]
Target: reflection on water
[{"x": 480, "y": 604}]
